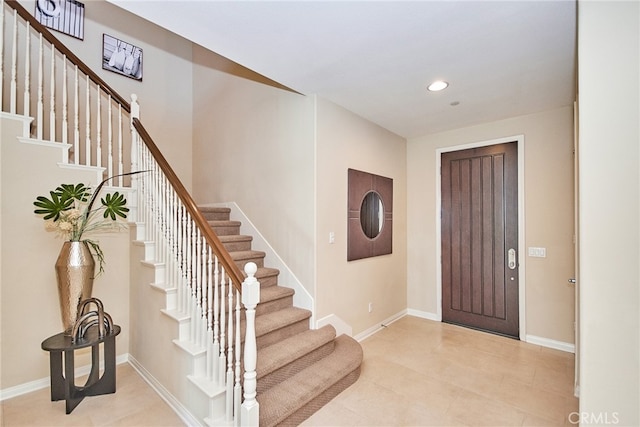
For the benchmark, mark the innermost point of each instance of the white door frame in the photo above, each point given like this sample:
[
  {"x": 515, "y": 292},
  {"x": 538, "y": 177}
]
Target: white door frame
[{"x": 521, "y": 232}]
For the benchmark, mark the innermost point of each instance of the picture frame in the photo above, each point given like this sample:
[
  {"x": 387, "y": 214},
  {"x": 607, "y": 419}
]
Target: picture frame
[
  {"x": 65, "y": 16},
  {"x": 121, "y": 57}
]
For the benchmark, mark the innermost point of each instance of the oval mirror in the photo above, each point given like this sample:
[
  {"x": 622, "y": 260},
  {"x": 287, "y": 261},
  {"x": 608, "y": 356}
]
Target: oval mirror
[{"x": 371, "y": 214}]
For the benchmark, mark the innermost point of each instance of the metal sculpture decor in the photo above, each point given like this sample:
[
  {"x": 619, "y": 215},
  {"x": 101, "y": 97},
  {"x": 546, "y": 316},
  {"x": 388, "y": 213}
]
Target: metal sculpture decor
[{"x": 91, "y": 318}]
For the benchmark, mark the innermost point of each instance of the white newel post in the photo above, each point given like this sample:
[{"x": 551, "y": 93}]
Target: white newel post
[
  {"x": 250, "y": 299},
  {"x": 134, "y": 114}
]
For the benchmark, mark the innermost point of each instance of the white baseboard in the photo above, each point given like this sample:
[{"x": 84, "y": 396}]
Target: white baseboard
[
  {"x": 177, "y": 407},
  {"x": 340, "y": 325},
  {"x": 35, "y": 385},
  {"x": 424, "y": 315},
  {"x": 386, "y": 322},
  {"x": 547, "y": 342}
]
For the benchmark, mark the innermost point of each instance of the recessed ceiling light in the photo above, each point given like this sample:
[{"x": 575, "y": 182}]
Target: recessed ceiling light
[{"x": 437, "y": 85}]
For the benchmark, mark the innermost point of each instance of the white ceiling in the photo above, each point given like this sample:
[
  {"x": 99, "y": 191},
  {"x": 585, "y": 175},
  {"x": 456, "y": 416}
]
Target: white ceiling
[{"x": 376, "y": 58}]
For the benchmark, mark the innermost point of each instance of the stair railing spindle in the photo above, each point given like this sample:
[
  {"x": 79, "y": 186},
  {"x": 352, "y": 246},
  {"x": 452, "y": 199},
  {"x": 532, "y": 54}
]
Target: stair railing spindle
[
  {"x": 76, "y": 119},
  {"x": 210, "y": 346},
  {"x": 40, "y": 107},
  {"x": 27, "y": 73},
  {"x": 65, "y": 122},
  {"x": 87, "y": 121},
  {"x": 222, "y": 360},
  {"x": 120, "y": 161},
  {"x": 14, "y": 65},
  {"x": 52, "y": 97},
  {"x": 110, "y": 140},
  {"x": 237, "y": 389},
  {"x": 229, "y": 379},
  {"x": 216, "y": 312},
  {"x": 98, "y": 128}
]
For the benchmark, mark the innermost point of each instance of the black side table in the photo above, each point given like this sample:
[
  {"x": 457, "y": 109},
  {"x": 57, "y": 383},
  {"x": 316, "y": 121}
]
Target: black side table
[{"x": 63, "y": 386}]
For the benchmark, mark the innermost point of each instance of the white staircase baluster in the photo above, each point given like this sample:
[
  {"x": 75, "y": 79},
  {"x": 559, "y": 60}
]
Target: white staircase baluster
[
  {"x": 65, "y": 124},
  {"x": 120, "y": 161},
  {"x": 237, "y": 388},
  {"x": 210, "y": 284},
  {"x": 14, "y": 65},
  {"x": 110, "y": 141},
  {"x": 216, "y": 315},
  {"x": 87, "y": 136},
  {"x": 40, "y": 107},
  {"x": 222, "y": 365},
  {"x": 229, "y": 379},
  {"x": 198, "y": 285},
  {"x": 27, "y": 73},
  {"x": 98, "y": 129},
  {"x": 250, "y": 299},
  {"x": 52, "y": 97},
  {"x": 76, "y": 119}
]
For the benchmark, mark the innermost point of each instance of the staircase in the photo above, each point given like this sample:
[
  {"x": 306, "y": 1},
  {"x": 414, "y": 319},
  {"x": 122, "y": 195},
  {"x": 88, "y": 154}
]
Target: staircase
[
  {"x": 299, "y": 369},
  {"x": 191, "y": 313}
]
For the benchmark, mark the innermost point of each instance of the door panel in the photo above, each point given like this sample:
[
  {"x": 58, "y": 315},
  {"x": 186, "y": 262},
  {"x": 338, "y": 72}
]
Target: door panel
[{"x": 479, "y": 226}]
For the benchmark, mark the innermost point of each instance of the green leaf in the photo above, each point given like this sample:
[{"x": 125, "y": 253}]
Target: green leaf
[
  {"x": 74, "y": 192},
  {"x": 51, "y": 208},
  {"x": 115, "y": 205}
]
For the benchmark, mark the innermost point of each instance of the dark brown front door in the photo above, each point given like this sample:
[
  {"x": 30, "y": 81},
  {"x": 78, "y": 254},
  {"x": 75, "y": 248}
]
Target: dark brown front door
[{"x": 480, "y": 238}]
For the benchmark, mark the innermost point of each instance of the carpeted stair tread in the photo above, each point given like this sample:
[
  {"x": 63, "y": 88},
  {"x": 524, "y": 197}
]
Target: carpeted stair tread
[
  {"x": 235, "y": 238},
  {"x": 224, "y": 223},
  {"x": 274, "y": 292},
  {"x": 281, "y": 402},
  {"x": 283, "y": 359},
  {"x": 215, "y": 213},
  {"x": 244, "y": 255},
  {"x": 266, "y": 276},
  {"x": 277, "y": 355},
  {"x": 270, "y": 322}
]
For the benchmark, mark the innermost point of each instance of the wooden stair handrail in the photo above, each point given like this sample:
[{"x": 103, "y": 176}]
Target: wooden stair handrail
[
  {"x": 72, "y": 57},
  {"x": 229, "y": 264}
]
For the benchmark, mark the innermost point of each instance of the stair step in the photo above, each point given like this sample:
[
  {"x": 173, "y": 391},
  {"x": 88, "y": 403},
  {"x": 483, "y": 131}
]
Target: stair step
[
  {"x": 236, "y": 242},
  {"x": 290, "y": 356},
  {"x": 278, "y": 325},
  {"x": 215, "y": 213},
  {"x": 243, "y": 257},
  {"x": 274, "y": 298},
  {"x": 266, "y": 276},
  {"x": 297, "y": 398},
  {"x": 225, "y": 228}
]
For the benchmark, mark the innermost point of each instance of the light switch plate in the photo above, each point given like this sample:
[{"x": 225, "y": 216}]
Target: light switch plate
[{"x": 538, "y": 252}]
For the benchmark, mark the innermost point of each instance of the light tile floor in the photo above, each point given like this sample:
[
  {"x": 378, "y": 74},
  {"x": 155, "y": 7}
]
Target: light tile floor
[
  {"x": 415, "y": 373},
  {"x": 418, "y": 372}
]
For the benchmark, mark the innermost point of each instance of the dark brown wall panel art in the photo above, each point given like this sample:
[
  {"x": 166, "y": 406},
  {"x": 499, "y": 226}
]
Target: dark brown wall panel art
[{"x": 369, "y": 215}]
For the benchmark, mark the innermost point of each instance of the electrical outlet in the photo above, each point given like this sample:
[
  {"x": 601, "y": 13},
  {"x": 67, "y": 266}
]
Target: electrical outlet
[
  {"x": 370, "y": 307},
  {"x": 332, "y": 237}
]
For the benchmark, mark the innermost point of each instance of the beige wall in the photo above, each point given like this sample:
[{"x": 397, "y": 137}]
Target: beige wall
[
  {"x": 249, "y": 135},
  {"x": 345, "y": 289},
  {"x": 28, "y": 290},
  {"x": 548, "y": 145},
  {"x": 29, "y": 310},
  {"x": 609, "y": 280},
  {"x": 164, "y": 94}
]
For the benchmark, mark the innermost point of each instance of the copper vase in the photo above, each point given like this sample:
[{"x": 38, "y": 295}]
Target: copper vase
[{"x": 75, "y": 269}]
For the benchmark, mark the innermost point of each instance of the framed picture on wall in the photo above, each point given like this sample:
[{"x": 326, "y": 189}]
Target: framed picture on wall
[
  {"x": 121, "y": 57},
  {"x": 65, "y": 16}
]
